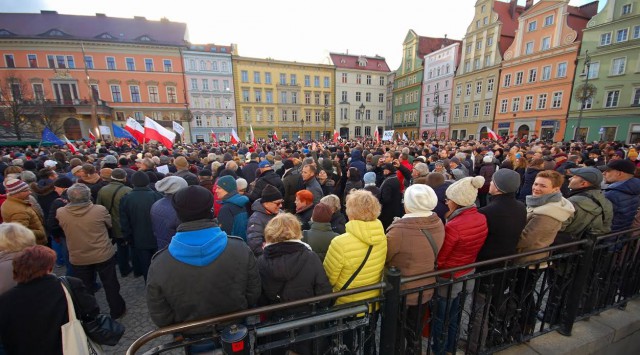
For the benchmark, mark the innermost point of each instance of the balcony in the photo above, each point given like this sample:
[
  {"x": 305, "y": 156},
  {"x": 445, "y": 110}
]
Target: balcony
[{"x": 81, "y": 107}]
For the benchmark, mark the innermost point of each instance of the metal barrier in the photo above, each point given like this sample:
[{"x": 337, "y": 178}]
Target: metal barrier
[{"x": 503, "y": 303}]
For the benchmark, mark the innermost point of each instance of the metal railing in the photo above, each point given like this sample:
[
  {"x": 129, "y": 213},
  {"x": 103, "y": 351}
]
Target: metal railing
[{"x": 502, "y": 303}]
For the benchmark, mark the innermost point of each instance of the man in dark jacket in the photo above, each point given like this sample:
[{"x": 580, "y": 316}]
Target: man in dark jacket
[
  {"x": 264, "y": 209},
  {"x": 135, "y": 221},
  {"x": 311, "y": 183},
  {"x": 232, "y": 217},
  {"x": 623, "y": 192},
  {"x": 390, "y": 196},
  {"x": 200, "y": 250},
  {"x": 250, "y": 168},
  {"x": 265, "y": 176},
  {"x": 53, "y": 226},
  {"x": 164, "y": 219},
  {"x": 292, "y": 183},
  {"x": 358, "y": 162},
  {"x": 87, "y": 175}
]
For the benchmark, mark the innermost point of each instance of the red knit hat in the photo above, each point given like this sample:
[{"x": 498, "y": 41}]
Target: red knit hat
[
  {"x": 14, "y": 186},
  {"x": 321, "y": 213}
]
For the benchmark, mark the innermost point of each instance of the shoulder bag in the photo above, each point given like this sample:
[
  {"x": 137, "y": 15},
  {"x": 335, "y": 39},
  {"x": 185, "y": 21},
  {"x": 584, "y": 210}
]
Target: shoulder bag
[
  {"x": 74, "y": 339},
  {"x": 366, "y": 257}
]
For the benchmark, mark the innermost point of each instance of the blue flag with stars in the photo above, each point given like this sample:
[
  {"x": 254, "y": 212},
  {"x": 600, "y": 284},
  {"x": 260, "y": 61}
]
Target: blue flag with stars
[
  {"x": 50, "y": 137},
  {"x": 119, "y": 132}
]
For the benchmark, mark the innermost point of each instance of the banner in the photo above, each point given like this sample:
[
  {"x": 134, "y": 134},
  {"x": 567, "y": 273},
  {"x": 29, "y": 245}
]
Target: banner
[{"x": 387, "y": 135}]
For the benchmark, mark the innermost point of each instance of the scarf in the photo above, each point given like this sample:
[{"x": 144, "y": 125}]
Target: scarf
[
  {"x": 537, "y": 201},
  {"x": 417, "y": 214}
]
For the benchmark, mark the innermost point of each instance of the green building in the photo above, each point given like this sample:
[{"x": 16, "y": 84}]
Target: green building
[{"x": 610, "y": 91}]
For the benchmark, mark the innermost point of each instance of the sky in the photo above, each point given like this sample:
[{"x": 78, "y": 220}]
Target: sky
[{"x": 292, "y": 30}]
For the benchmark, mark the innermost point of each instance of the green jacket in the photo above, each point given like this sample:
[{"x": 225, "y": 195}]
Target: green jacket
[
  {"x": 135, "y": 217},
  {"x": 591, "y": 218},
  {"x": 104, "y": 198}
]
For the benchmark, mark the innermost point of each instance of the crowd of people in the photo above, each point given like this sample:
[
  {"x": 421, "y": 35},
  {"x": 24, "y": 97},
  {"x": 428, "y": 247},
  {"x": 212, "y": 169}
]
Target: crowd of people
[{"x": 219, "y": 228}]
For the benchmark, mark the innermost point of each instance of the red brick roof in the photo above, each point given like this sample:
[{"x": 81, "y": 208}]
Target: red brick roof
[
  {"x": 211, "y": 47},
  {"x": 99, "y": 27},
  {"x": 579, "y": 16},
  {"x": 508, "y": 13},
  {"x": 427, "y": 45},
  {"x": 350, "y": 61}
]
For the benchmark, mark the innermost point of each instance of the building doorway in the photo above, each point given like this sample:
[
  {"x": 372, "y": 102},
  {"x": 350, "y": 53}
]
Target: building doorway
[
  {"x": 72, "y": 129},
  {"x": 523, "y": 131}
]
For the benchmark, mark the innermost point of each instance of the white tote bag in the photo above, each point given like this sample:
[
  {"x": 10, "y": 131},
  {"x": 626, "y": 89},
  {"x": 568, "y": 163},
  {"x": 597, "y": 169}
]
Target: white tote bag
[{"x": 74, "y": 339}]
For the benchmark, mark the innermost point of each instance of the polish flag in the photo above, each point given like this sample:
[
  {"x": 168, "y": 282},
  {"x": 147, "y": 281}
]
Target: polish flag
[
  {"x": 275, "y": 136},
  {"x": 213, "y": 136},
  {"x": 72, "y": 147},
  {"x": 335, "y": 135},
  {"x": 376, "y": 135},
  {"x": 253, "y": 137},
  {"x": 491, "y": 134},
  {"x": 91, "y": 136},
  {"x": 234, "y": 137},
  {"x": 135, "y": 128},
  {"x": 404, "y": 137},
  {"x": 152, "y": 130}
]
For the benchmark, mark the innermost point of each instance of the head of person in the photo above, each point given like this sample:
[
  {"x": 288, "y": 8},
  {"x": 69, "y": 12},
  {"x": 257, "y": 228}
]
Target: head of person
[
  {"x": 61, "y": 184},
  {"x": 619, "y": 170},
  {"x": 33, "y": 263},
  {"x": 17, "y": 189},
  {"x": 308, "y": 172},
  {"x": 504, "y": 181},
  {"x": 264, "y": 166},
  {"x": 322, "y": 213},
  {"x": 169, "y": 185},
  {"x": 547, "y": 182},
  {"x": 388, "y": 169},
  {"x": 79, "y": 193},
  {"x": 463, "y": 193},
  {"x": 15, "y": 237},
  {"x": 193, "y": 203},
  {"x": 420, "y": 170},
  {"x": 304, "y": 198},
  {"x": 226, "y": 185},
  {"x": 242, "y": 185},
  {"x": 353, "y": 174},
  {"x": 322, "y": 176},
  {"x": 370, "y": 178},
  {"x": 585, "y": 178},
  {"x": 281, "y": 228},
  {"x": 205, "y": 175},
  {"x": 140, "y": 179},
  {"x": 88, "y": 170},
  {"x": 362, "y": 206},
  {"x": 271, "y": 199},
  {"x": 332, "y": 201},
  {"x": 181, "y": 163},
  {"x": 435, "y": 179},
  {"x": 420, "y": 199},
  {"x": 453, "y": 163}
]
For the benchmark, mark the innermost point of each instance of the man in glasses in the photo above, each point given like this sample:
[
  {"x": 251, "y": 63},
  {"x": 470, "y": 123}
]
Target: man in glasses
[{"x": 264, "y": 209}]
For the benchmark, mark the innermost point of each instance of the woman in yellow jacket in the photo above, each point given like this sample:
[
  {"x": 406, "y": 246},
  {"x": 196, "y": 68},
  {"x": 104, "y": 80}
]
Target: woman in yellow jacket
[{"x": 364, "y": 236}]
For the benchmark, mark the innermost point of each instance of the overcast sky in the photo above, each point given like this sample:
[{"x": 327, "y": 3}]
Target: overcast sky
[{"x": 294, "y": 30}]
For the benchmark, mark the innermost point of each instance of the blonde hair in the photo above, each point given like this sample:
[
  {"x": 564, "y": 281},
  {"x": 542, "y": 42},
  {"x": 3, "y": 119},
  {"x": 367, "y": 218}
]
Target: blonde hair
[
  {"x": 362, "y": 205},
  {"x": 15, "y": 237},
  {"x": 282, "y": 227},
  {"x": 332, "y": 201}
]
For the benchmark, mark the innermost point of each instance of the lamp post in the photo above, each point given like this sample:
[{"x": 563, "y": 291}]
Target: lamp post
[
  {"x": 361, "y": 110},
  {"x": 585, "y": 93},
  {"x": 437, "y": 110},
  {"x": 325, "y": 118}
]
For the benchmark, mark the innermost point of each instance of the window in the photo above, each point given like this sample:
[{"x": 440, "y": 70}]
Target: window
[
  {"x": 533, "y": 25},
  {"x": 489, "y": 41},
  {"x": 519, "y": 76},
  {"x": 479, "y": 45},
  {"x": 548, "y": 21},
  {"x": 216, "y": 85},
  {"x": 258, "y": 95},
  {"x": 153, "y": 94},
  {"x": 382, "y": 77},
  {"x": 358, "y": 79},
  {"x": 636, "y": 32},
  {"x": 168, "y": 66},
  {"x": 594, "y": 68},
  {"x": 256, "y": 77},
  {"x": 135, "y": 93},
  {"x": 327, "y": 81},
  {"x": 267, "y": 78},
  {"x": 467, "y": 66},
  {"x": 557, "y": 99},
  {"x": 148, "y": 64},
  {"x": 469, "y": 47},
  {"x": 172, "y": 97},
  {"x": 358, "y": 96},
  {"x": 194, "y": 84},
  {"x": 586, "y": 104},
  {"x": 38, "y": 92},
  {"x": 476, "y": 109},
  {"x": 456, "y": 111},
  {"x": 546, "y": 43},
  {"x": 476, "y": 63},
  {"x": 88, "y": 61},
  {"x": 9, "y": 61},
  {"x": 465, "y": 111},
  {"x": 60, "y": 61},
  {"x": 380, "y": 97},
  {"x": 71, "y": 62},
  {"x": 293, "y": 79},
  {"x": 116, "y": 95},
  {"x": 294, "y": 97},
  {"x": 458, "y": 90},
  {"x": 111, "y": 63},
  {"x": 528, "y": 48},
  {"x": 612, "y": 98},
  {"x": 283, "y": 97},
  {"x": 33, "y": 60},
  {"x": 515, "y": 104},
  {"x": 138, "y": 115},
  {"x": 307, "y": 79},
  {"x": 487, "y": 108},
  {"x": 487, "y": 61},
  {"x": 490, "y": 85},
  {"x": 307, "y": 98},
  {"x": 225, "y": 67},
  {"x": 468, "y": 89},
  {"x": 528, "y": 103},
  {"x": 605, "y": 39},
  {"x": 131, "y": 64},
  {"x": 205, "y": 84},
  {"x": 214, "y": 65},
  {"x": 245, "y": 95},
  {"x": 478, "y": 87},
  {"x": 244, "y": 76},
  {"x": 269, "y": 96},
  {"x": 507, "y": 80},
  {"x": 562, "y": 70},
  {"x": 446, "y": 98},
  {"x": 546, "y": 73},
  {"x": 622, "y": 35},
  {"x": 636, "y": 97},
  {"x": 316, "y": 81},
  {"x": 618, "y": 66},
  {"x": 542, "y": 101},
  {"x": 533, "y": 74},
  {"x": 367, "y": 97},
  {"x": 344, "y": 97},
  {"x": 626, "y": 9}
]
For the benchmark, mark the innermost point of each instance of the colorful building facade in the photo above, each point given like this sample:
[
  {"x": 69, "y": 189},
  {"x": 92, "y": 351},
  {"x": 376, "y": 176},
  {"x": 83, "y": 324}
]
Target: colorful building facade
[
  {"x": 361, "y": 84},
  {"x": 437, "y": 91},
  {"x": 612, "y": 43},
  {"x": 538, "y": 69},
  {"x": 293, "y": 99},
  {"x": 488, "y": 36},
  {"x": 209, "y": 82},
  {"x": 131, "y": 67}
]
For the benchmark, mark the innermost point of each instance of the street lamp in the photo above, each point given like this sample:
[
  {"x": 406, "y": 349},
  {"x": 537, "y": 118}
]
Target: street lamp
[
  {"x": 361, "y": 109},
  {"x": 325, "y": 119},
  {"x": 437, "y": 110},
  {"x": 584, "y": 93}
]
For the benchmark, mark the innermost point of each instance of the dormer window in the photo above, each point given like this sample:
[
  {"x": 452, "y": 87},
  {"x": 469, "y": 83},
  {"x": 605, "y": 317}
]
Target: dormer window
[
  {"x": 105, "y": 36},
  {"x": 362, "y": 62},
  {"x": 144, "y": 38},
  {"x": 4, "y": 32},
  {"x": 54, "y": 33}
]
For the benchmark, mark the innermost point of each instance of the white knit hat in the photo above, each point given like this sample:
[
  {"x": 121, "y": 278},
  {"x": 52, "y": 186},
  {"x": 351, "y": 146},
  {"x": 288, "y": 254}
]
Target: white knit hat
[
  {"x": 465, "y": 191},
  {"x": 420, "y": 198}
]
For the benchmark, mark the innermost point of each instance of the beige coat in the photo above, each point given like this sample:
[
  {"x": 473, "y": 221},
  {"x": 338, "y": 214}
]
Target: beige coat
[{"x": 21, "y": 211}]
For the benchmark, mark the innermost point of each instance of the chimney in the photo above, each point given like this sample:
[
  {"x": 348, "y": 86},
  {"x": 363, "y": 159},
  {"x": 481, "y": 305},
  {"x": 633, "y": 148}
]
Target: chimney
[
  {"x": 512, "y": 8},
  {"x": 528, "y": 5}
]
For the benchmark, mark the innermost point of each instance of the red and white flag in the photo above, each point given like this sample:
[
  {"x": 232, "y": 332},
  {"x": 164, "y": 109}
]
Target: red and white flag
[
  {"x": 136, "y": 129},
  {"x": 491, "y": 134},
  {"x": 253, "y": 137},
  {"x": 153, "y": 130},
  {"x": 275, "y": 136},
  {"x": 213, "y": 136},
  {"x": 72, "y": 147},
  {"x": 91, "y": 136},
  {"x": 234, "y": 137},
  {"x": 335, "y": 135},
  {"x": 376, "y": 135}
]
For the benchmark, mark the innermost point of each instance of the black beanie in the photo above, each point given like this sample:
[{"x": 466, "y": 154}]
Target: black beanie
[
  {"x": 139, "y": 179},
  {"x": 270, "y": 194},
  {"x": 193, "y": 203},
  {"x": 288, "y": 164},
  {"x": 63, "y": 182}
]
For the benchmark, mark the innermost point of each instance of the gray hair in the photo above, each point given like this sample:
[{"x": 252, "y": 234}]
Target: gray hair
[
  {"x": 231, "y": 165},
  {"x": 28, "y": 176},
  {"x": 422, "y": 168},
  {"x": 462, "y": 156},
  {"x": 79, "y": 193}
]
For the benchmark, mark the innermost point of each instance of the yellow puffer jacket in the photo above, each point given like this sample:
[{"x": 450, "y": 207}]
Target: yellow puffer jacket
[{"x": 346, "y": 253}]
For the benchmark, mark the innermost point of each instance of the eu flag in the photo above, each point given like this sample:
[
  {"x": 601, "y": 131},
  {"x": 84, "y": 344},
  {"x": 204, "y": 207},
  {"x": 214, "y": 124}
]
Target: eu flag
[
  {"x": 50, "y": 137},
  {"x": 119, "y": 132}
]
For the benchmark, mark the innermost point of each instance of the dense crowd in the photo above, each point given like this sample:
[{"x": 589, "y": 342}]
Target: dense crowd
[{"x": 215, "y": 229}]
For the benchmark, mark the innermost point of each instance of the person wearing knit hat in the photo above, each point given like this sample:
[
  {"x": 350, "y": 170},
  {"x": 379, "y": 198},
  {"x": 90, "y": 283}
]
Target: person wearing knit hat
[
  {"x": 241, "y": 185},
  {"x": 232, "y": 216},
  {"x": 119, "y": 175},
  {"x": 506, "y": 181},
  {"x": 140, "y": 179},
  {"x": 320, "y": 234},
  {"x": 390, "y": 196},
  {"x": 18, "y": 208},
  {"x": 182, "y": 166},
  {"x": 264, "y": 209},
  {"x": 464, "y": 191},
  {"x": 164, "y": 218},
  {"x": 170, "y": 185},
  {"x": 410, "y": 250}
]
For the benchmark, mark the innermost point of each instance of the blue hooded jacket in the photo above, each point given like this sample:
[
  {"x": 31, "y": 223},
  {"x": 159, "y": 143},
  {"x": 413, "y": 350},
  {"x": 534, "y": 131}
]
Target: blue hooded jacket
[
  {"x": 198, "y": 247},
  {"x": 357, "y": 162},
  {"x": 233, "y": 217},
  {"x": 625, "y": 198}
]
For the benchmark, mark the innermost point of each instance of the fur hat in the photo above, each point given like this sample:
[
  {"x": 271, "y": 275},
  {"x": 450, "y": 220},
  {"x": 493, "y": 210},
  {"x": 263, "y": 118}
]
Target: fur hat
[
  {"x": 270, "y": 194},
  {"x": 181, "y": 162},
  {"x": 14, "y": 186},
  {"x": 119, "y": 175},
  {"x": 193, "y": 203},
  {"x": 420, "y": 198},
  {"x": 228, "y": 183},
  {"x": 140, "y": 179},
  {"x": 171, "y": 184},
  {"x": 321, "y": 213},
  {"x": 465, "y": 191},
  {"x": 506, "y": 180}
]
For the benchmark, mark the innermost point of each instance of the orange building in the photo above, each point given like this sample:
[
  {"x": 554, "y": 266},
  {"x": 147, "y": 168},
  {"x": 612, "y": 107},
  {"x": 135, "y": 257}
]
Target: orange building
[
  {"x": 133, "y": 66},
  {"x": 538, "y": 69}
]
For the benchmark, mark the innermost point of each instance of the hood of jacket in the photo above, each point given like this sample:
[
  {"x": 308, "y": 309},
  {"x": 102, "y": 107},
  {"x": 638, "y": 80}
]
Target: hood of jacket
[
  {"x": 257, "y": 206},
  {"x": 356, "y": 155},
  {"x": 558, "y": 210},
  {"x": 321, "y": 226},
  {"x": 198, "y": 247},
  {"x": 369, "y": 232},
  {"x": 285, "y": 259},
  {"x": 416, "y": 222},
  {"x": 79, "y": 209},
  {"x": 630, "y": 187},
  {"x": 236, "y": 199}
]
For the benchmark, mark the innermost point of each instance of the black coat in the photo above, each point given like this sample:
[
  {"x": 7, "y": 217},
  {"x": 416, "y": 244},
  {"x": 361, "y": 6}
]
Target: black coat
[
  {"x": 338, "y": 222},
  {"x": 391, "y": 200},
  {"x": 527, "y": 185},
  {"x": 135, "y": 217},
  {"x": 305, "y": 217},
  {"x": 268, "y": 177},
  {"x": 249, "y": 171},
  {"x": 441, "y": 207}
]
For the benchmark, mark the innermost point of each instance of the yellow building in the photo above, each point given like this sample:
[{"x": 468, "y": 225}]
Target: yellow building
[{"x": 294, "y": 99}]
